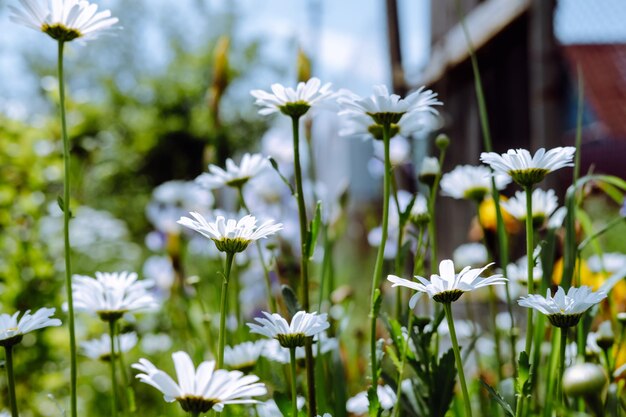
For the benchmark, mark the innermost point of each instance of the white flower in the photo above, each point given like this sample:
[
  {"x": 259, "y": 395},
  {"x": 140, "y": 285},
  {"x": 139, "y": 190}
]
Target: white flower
[
  {"x": 63, "y": 20},
  {"x": 275, "y": 352},
  {"x": 101, "y": 348},
  {"x": 429, "y": 170},
  {"x": 173, "y": 199},
  {"x": 470, "y": 182},
  {"x": 292, "y": 102},
  {"x": 362, "y": 125},
  {"x": 399, "y": 153},
  {"x": 389, "y": 109},
  {"x": 525, "y": 169},
  {"x": 518, "y": 271},
  {"x": 543, "y": 204},
  {"x": 233, "y": 175},
  {"x": 448, "y": 286},
  {"x": 12, "y": 329},
  {"x": 419, "y": 211},
  {"x": 557, "y": 218},
  {"x": 359, "y": 404},
  {"x": 292, "y": 334},
  {"x": 470, "y": 254},
  {"x": 564, "y": 310},
  {"x": 244, "y": 355},
  {"x": 231, "y": 235},
  {"x": 201, "y": 389},
  {"x": 608, "y": 262},
  {"x": 111, "y": 295}
]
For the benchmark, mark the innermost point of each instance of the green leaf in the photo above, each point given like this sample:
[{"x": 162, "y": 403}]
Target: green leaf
[
  {"x": 314, "y": 229},
  {"x": 283, "y": 402},
  {"x": 291, "y": 300},
  {"x": 378, "y": 300},
  {"x": 62, "y": 205},
  {"x": 522, "y": 384},
  {"x": 282, "y": 177},
  {"x": 498, "y": 399},
  {"x": 372, "y": 397},
  {"x": 613, "y": 192},
  {"x": 442, "y": 386}
]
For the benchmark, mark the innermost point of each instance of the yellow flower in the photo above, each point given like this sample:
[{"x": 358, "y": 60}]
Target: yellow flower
[
  {"x": 488, "y": 218},
  {"x": 587, "y": 277}
]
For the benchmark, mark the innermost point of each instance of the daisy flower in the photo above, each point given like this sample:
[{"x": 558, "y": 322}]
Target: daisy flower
[
  {"x": 202, "y": 389},
  {"x": 63, "y": 20},
  {"x": 471, "y": 182},
  {"x": 12, "y": 329},
  {"x": 112, "y": 294},
  {"x": 292, "y": 334},
  {"x": 389, "y": 109},
  {"x": 362, "y": 125},
  {"x": 470, "y": 254},
  {"x": 448, "y": 286},
  {"x": 244, "y": 355},
  {"x": 419, "y": 212},
  {"x": 544, "y": 203},
  {"x": 233, "y": 175},
  {"x": 564, "y": 310},
  {"x": 527, "y": 170},
  {"x": 359, "y": 404},
  {"x": 290, "y": 102},
  {"x": 231, "y": 235},
  {"x": 429, "y": 170},
  {"x": 100, "y": 348}
]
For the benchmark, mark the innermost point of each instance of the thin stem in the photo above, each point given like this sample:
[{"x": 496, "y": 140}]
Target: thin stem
[
  {"x": 271, "y": 303},
  {"x": 294, "y": 391},
  {"x": 194, "y": 413},
  {"x": 405, "y": 348},
  {"x": 559, "y": 374},
  {"x": 114, "y": 401},
  {"x": 398, "y": 260},
  {"x": 432, "y": 226},
  {"x": 66, "y": 234},
  {"x": 304, "y": 263},
  {"x": 530, "y": 264},
  {"x": 224, "y": 297},
  {"x": 380, "y": 257},
  {"x": 457, "y": 356},
  {"x": 11, "y": 380}
]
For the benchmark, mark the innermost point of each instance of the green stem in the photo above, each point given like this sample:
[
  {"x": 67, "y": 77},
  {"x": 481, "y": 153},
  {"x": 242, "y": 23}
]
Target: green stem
[
  {"x": 396, "y": 410},
  {"x": 398, "y": 260},
  {"x": 114, "y": 401},
  {"x": 559, "y": 374},
  {"x": 130, "y": 400},
  {"x": 530, "y": 264},
  {"x": 194, "y": 413},
  {"x": 432, "y": 226},
  {"x": 552, "y": 371},
  {"x": 380, "y": 256},
  {"x": 11, "y": 380},
  {"x": 271, "y": 303},
  {"x": 304, "y": 263},
  {"x": 223, "y": 313},
  {"x": 294, "y": 391},
  {"x": 457, "y": 356},
  {"x": 487, "y": 143},
  {"x": 66, "y": 233}
]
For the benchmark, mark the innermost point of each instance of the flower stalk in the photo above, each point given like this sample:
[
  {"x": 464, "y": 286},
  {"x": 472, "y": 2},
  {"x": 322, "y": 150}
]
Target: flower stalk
[
  {"x": 304, "y": 260},
  {"x": 380, "y": 257},
  {"x": 530, "y": 264},
  {"x": 114, "y": 400},
  {"x": 447, "y": 307},
  {"x": 294, "y": 391},
  {"x": 66, "y": 232},
  {"x": 8, "y": 349},
  {"x": 224, "y": 297}
]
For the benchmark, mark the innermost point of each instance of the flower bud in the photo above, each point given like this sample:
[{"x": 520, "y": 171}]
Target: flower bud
[
  {"x": 442, "y": 142},
  {"x": 429, "y": 171},
  {"x": 584, "y": 379},
  {"x": 605, "y": 336},
  {"x": 621, "y": 317}
]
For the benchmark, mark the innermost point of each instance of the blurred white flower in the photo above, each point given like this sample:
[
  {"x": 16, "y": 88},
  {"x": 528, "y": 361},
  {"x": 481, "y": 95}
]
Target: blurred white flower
[
  {"x": 231, "y": 235},
  {"x": 111, "y": 295},
  {"x": 233, "y": 176},
  {"x": 374, "y": 237},
  {"x": 518, "y": 271},
  {"x": 322, "y": 343},
  {"x": 292, "y": 102},
  {"x": 173, "y": 199},
  {"x": 470, "y": 254},
  {"x": 359, "y": 404},
  {"x": 63, "y": 20},
  {"x": 244, "y": 355},
  {"x": 292, "y": 334},
  {"x": 608, "y": 262},
  {"x": 448, "y": 286},
  {"x": 202, "y": 389},
  {"x": 12, "y": 329},
  {"x": 471, "y": 182},
  {"x": 159, "y": 269},
  {"x": 527, "y": 170},
  {"x": 543, "y": 205},
  {"x": 100, "y": 348},
  {"x": 430, "y": 166},
  {"x": 557, "y": 218},
  {"x": 156, "y": 343},
  {"x": 564, "y": 310}
]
